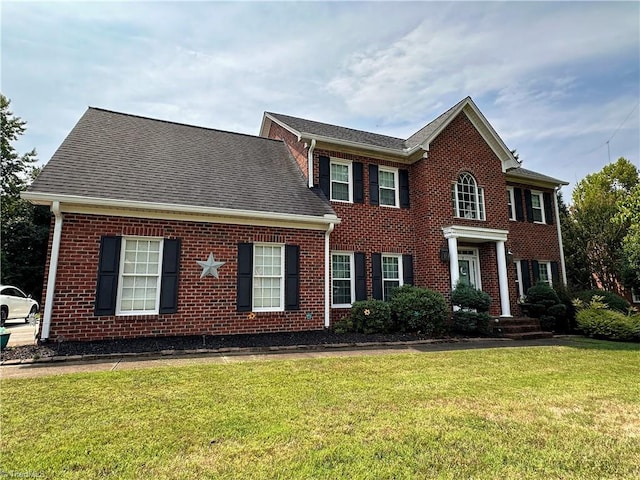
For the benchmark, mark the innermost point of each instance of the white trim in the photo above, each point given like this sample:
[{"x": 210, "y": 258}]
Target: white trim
[
  {"x": 312, "y": 149},
  {"x": 352, "y": 277},
  {"x": 282, "y": 277},
  {"x": 53, "y": 270},
  {"x": 521, "y": 292},
  {"x": 503, "y": 280},
  {"x": 396, "y": 186},
  {"x": 635, "y": 296},
  {"x": 250, "y": 217},
  {"x": 560, "y": 241},
  {"x": 327, "y": 277},
  {"x": 475, "y": 233},
  {"x": 349, "y": 165},
  {"x": 124, "y": 313},
  {"x": 511, "y": 204},
  {"x": 475, "y": 257}
]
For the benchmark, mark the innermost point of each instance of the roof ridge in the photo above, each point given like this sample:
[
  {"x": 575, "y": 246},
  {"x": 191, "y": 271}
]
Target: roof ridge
[
  {"x": 143, "y": 117},
  {"x": 334, "y": 125}
]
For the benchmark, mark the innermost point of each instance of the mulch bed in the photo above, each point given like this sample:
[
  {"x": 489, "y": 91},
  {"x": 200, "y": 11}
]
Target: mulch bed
[{"x": 209, "y": 342}]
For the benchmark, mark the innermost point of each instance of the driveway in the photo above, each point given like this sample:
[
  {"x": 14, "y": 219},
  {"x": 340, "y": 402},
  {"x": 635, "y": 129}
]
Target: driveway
[{"x": 21, "y": 333}]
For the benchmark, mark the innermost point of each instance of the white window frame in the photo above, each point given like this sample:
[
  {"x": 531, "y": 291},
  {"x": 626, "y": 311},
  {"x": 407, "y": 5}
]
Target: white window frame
[
  {"x": 478, "y": 200},
  {"x": 122, "y": 274},
  {"x": 255, "y": 275},
  {"x": 349, "y": 182},
  {"x": 541, "y": 208},
  {"x": 521, "y": 292},
  {"x": 396, "y": 187},
  {"x": 400, "y": 272},
  {"x": 635, "y": 295},
  {"x": 547, "y": 266},
  {"x": 352, "y": 282},
  {"x": 511, "y": 203}
]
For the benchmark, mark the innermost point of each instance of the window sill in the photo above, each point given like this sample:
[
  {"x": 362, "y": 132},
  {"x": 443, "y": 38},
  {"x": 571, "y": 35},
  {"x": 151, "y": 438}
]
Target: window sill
[{"x": 342, "y": 305}]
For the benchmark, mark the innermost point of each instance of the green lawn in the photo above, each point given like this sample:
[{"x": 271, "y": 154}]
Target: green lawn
[{"x": 530, "y": 412}]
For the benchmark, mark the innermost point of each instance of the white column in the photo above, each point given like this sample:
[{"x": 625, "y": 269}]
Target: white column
[
  {"x": 453, "y": 261},
  {"x": 503, "y": 280}
]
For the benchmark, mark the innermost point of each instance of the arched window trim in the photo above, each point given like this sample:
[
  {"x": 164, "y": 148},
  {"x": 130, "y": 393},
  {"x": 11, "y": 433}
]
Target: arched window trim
[{"x": 468, "y": 198}]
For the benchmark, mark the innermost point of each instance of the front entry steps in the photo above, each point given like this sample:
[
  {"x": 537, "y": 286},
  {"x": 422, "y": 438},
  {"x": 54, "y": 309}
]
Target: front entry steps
[{"x": 519, "y": 328}]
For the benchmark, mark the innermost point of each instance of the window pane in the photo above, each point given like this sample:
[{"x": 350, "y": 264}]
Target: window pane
[
  {"x": 341, "y": 292},
  {"x": 387, "y": 179},
  {"x": 387, "y": 197},
  {"x": 340, "y": 191},
  {"x": 341, "y": 266},
  {"x": 388, "y": 286},
  {"x": 267, "y": 276},
  {"x": 140, "y": 275},
  {"x": 390, "y": 268},
  {"x": 340, "y": 173}
]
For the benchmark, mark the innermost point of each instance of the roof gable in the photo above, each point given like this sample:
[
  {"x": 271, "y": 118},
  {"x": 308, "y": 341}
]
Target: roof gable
[
  {"x": 419, "y": 141},
  {"x": 117, "y": 157}
]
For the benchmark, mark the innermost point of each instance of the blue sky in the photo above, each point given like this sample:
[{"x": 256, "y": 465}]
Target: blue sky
[{"x": 556, "y": 80}]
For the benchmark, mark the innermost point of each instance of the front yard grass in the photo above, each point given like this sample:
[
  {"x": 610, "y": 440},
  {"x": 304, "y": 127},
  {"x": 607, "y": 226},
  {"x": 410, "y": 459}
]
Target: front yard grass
[{"x": 528, "y": 412}]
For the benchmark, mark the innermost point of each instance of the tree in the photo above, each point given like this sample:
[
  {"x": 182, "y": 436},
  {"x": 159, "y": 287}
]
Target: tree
[
  {"x": 596, "y": 201},
  {"x": 25, "y": 227},
  {"x": 629, "y": 215},
  {"x": 575, "y": 254}
]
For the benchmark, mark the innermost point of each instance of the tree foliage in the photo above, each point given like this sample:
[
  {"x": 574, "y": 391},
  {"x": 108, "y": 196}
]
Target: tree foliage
[
  {"x": 629, "y": 215},
  {"x": 596, "y": 201},
  {"x": 575, "y": 253},
  {"x": 25, "y": 227}
]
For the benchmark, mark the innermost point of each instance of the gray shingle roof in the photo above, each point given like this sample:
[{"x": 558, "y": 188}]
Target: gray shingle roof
[
  {"x": 339, "y": 133},
  {"x": 116, "y": 156},
  {"x": 426, "y": 131},
  {"x": 525, "y": 174}
]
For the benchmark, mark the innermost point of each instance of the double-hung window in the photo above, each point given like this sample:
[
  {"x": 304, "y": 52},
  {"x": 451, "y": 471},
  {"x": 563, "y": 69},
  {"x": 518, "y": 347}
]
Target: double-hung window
[
  {"x": 342, "y": 279},
  {"x": 468, "y": 198},
  {"x": 140, "y": 270},
  {"x": 341, "y": 186},
  {"x": 544, "y": 272},
  {"x": 537, "y": 206},
  {"x": 391, "y": 274},
  {"x": 388, "y": 181},
  {"x": 268, "y": 278},
  {"x": 635, "y": 295},
  {"x": 511, "y": 204}
]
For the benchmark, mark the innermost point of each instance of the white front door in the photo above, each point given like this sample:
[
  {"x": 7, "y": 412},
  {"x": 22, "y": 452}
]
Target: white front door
[{"x": 469, "y": 267}]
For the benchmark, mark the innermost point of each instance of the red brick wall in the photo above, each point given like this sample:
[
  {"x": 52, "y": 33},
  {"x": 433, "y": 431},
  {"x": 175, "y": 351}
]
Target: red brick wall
[
  {"x": 205, "y": 306},
  {"x": 297, "y": 149}
]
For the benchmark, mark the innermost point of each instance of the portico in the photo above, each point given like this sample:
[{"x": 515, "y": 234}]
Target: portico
[{"x": 459, "y": 233}]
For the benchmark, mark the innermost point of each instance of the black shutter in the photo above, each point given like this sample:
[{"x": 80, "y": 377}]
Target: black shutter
[
  {"x": 245, "y": 271},
  {"x": 403, "y": 177},
  {"x": 528, "y": 205},
  {"x": 361, "y": 276},
  {"x": 407, "y": 269},
  {"x": 107, "y": 285},
  {"x": 374, "y": 193},
  {"x": 548, "y": 215},
  {"x": 555, "y": 273},
  {"x": 376, "y": 275},
  {"x": 535, "y": 269},
  {"x": 325, "y": 176},
  {"x": 526, "y": 276},
  {"x": 517, "y": 198},
  {"x": 358, "y": 183},
  {"x": 170, "y": 274},
  {"x": 292, "y": 277}
]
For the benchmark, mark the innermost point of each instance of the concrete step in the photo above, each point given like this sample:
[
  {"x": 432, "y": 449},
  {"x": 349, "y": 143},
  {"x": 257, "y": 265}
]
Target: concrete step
[
  {"x": 528, "y": 335},
  {"x": 520, "y": 328}
]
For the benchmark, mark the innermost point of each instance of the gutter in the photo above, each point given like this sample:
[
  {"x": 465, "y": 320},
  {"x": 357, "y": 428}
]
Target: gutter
[
  {"x": 53, "y": 270},
  {"x": 327, "y": 278},
  {"x": 310, "y": 162},
  {"x": 560, "y": 243}
]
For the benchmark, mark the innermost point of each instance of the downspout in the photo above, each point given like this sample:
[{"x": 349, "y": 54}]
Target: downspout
[
  {"x": 327, "y": 278},
  {"x": 310, "y": 161},
  {"x": 53, "y": 270},
  {"x": 560, "y": 244}
]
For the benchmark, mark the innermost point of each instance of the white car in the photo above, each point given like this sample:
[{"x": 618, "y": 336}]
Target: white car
[{"x": 15, "y": 304}]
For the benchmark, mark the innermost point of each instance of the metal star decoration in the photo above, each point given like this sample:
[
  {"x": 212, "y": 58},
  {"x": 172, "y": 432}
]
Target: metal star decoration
[{"x": 210, "y": 267}]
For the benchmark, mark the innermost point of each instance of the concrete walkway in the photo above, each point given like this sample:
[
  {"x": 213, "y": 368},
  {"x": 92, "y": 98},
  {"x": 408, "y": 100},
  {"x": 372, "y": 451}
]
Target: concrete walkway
[
  {"x": 21, "y": 333},
  {"x": 45, "y": 367}
]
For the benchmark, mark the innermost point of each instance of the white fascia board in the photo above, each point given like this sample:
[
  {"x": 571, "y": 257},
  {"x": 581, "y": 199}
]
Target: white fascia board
[
  {"x": 475, "y": 233},
  {"x": 78, "y": 204},
  {"x": 275, "y": 120},
  {"x": 535, "y": 182}
]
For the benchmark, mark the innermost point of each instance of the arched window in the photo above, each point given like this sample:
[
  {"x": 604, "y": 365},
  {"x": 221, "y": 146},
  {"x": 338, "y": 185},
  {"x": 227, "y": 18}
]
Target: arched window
[{"x": 468, "y": 198}]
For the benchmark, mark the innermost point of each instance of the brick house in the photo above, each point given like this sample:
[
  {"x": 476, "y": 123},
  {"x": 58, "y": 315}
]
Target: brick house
[{"x": 293, "y": 225}]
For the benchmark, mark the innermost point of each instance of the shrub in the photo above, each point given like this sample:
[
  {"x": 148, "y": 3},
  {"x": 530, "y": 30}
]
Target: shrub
[
  {"x": 565, "y": 323},
  {"x": 371, "y": 316},
  {"x": 545, "y": 305},
  {"x": 416, "y": 309},
  {"x": 608, "y": 324},
  {"x": 615, "y": 302},
  {"x": 344, "y": 325},
  {"x": 472, "y": 317}
]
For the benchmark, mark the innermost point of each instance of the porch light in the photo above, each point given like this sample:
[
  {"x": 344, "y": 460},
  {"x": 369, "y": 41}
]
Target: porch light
[
  {"x": 509, "y": 256},
  {"x": 444, "y": 254}
]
